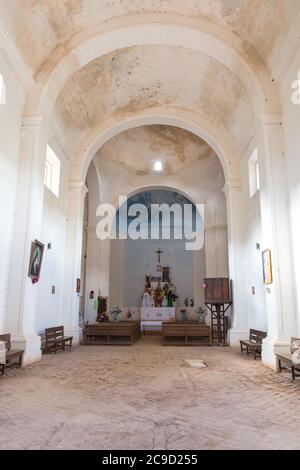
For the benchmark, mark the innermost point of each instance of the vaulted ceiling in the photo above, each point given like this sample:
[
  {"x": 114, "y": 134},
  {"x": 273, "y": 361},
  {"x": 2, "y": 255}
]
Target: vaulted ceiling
[
  {"x": 40, "y": 27},
  {"x": 153, "y": 74},
  {"x": 140, "y": 78}
]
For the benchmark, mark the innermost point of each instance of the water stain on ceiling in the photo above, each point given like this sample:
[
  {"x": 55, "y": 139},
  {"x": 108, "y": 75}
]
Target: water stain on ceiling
[{"x": 137, "y": 149}]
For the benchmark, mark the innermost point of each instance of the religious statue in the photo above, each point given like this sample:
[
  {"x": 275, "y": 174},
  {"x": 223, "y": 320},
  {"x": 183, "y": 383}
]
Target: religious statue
[
  {"x": 170, "y": 298},
  {"x": 159, "y": 290},
  {"x": 102, "y": 314},
  {"x": 173, "y": 295},
  {"x": 158, "y": 297},
  {"x": 166, "y": 274},
  {"x": 166, "y": 289},
  {"x": 147, "y": 301}
]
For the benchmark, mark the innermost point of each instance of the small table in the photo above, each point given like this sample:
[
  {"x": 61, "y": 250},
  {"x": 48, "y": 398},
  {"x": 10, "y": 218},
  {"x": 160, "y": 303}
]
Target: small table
[{"x": 154, "y": 316}]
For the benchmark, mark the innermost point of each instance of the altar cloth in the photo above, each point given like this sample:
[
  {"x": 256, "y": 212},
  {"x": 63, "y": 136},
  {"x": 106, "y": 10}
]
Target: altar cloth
[{"x": 157, "y": 313}]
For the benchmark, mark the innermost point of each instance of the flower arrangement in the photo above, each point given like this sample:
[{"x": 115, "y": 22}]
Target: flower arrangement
[
  {"x": 115, "y": 311},
  {"x": 201, "y": 312}
]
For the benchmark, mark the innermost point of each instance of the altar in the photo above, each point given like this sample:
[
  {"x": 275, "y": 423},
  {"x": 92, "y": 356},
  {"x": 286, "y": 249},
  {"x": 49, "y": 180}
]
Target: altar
[
  {"x": 159, "y": 298},
  {"x": 152, "y": 317}
]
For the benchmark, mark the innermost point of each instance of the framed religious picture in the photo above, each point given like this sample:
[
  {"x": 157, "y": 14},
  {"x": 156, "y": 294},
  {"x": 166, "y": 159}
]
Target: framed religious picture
[
  {"x": 267, "y": 267},
  {"x": 166, "y": 274},
  {"x": 35, "y": 263}
]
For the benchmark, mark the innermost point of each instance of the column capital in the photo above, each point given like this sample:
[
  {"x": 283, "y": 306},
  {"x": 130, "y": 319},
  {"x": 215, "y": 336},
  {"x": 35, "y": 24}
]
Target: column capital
[
  {"x": 232, "y": 185},
  {"x": 78, "y": 187},
  {"x": 31, "y": 122},
  {"x": 270, "y": 120}
]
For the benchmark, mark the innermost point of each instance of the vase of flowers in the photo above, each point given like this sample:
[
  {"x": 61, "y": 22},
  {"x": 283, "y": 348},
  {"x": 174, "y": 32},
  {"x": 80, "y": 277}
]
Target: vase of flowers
[
  {"x": 183, "y": 314},
  {"x": 116, "y": 313},
  {"x": 201, "y": 312}
]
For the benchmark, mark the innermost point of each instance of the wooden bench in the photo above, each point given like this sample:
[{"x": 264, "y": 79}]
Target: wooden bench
[
  {"x": 254, "y": 344},
  {"x": 284, "y": 361},
  {"x": 185, "y": 333},
  {"x": 54, "y": 339},
  {"x": 108, "y": 333},
  {"x": 13, "y": 357}
]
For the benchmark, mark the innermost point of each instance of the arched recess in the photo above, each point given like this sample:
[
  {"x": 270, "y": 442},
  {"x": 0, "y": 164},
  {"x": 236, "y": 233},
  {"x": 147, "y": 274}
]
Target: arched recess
[
  {"x": 115, "y": 278},
  {"x": 51, "y": 78},
  {"x": 226, "y": 152},
  {"x": 216, "y": 138}
]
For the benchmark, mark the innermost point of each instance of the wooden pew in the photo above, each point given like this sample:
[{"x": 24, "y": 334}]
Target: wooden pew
[
  {"x": 13, "y": 357},
  {"x": 254, "y": 343},
  {"x": 108, "y": 333},
  {"x": 284, "y": 361},
  {"x": 54, "y": 339},
  {"x": 185, "y": 333}
]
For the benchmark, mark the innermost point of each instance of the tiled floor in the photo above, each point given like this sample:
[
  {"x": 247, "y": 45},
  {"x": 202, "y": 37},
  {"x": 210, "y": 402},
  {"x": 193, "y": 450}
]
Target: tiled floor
[{"x": 145, "y": 397}]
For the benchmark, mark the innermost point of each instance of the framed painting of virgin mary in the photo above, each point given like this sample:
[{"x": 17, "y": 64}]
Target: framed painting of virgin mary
[{"x": 36, "y": 257}]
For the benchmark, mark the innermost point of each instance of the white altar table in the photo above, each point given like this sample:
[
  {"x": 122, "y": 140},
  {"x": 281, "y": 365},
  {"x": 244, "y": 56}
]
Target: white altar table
[{"x": 152, "y": 317}]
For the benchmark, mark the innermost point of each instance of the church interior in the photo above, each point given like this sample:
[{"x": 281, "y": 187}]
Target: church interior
[{"x": 118, "y": 329}]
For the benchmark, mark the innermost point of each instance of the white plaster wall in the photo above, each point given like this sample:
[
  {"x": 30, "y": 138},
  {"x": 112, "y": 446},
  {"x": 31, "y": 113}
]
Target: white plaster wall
[
  {"x": 291, "y": 135},
  {"x": 49, "y": 310},
  {"x": 255, "y": 302},
  {"x": 253, "y": 268},
  {"x": 93, "y": 245},
  {"x": 140, "y": 259},
  {"x": 10, "y": 125}
]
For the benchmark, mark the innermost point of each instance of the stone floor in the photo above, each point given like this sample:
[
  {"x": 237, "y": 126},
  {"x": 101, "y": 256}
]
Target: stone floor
[{"x": 145, "y": 397}]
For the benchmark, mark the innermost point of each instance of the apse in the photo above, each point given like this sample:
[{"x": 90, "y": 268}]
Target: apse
[{"x": 134, "y": 259}]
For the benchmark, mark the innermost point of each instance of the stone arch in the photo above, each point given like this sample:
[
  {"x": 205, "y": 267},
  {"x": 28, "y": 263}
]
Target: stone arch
[
  {"x": 169, "y": 187},
  {"x": 218, "y": 140},
  {"x": 51, "y": 78}
]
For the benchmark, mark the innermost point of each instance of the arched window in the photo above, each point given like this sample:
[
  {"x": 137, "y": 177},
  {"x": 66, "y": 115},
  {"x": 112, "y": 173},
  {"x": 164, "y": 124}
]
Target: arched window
[{"x": 2, "y": 90}]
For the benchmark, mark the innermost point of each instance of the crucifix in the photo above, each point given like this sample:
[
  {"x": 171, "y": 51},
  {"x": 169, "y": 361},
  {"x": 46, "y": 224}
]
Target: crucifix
[{"x": 159, "y": 252}]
